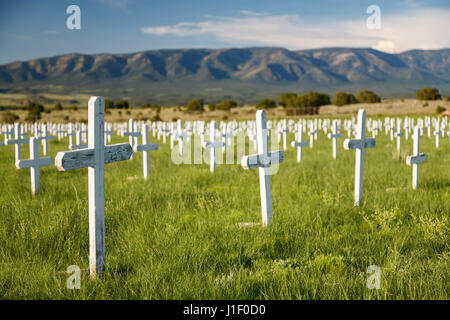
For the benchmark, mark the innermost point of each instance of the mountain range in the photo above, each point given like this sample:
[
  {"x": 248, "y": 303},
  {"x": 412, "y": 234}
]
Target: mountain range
[{"x": 243, "y": 74}]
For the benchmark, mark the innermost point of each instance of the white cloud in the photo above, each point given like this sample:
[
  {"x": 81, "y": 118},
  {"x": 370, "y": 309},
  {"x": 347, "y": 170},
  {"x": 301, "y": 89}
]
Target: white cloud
[
  {"x": 251, "y": 13},
  {"x": 413, "y": 29}
]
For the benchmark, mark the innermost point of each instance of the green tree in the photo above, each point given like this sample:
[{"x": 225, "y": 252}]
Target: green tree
[
  {"x": 212, "y": 107},
  {"x": 367, "y": 96},
  {"x": 58, "y": 107},
  {"x": 122, "y": 104},
  {"x": 343, "y": 98},
  {"x": 440, "y": 109},
  {"x": 34, "y": 111},
  {"x": 428, "y": 94},
  {"x": 109, "y": 104},
  {"x": 195, "y": 105},
  {"x": 288, "y": 100},
  {"x": 266, "y": 104},
  {"x": 227, "y": 105}
]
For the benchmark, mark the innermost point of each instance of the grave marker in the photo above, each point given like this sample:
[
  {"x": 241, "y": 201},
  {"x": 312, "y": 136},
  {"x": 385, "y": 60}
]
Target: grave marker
[
  {"x": 417, "y": 157},
  {"x": 146, "y": 147},
  {"x": 360, "y": 144},
  {"x": 34, "y": 163},
  {"x": 263, "y": 160},
  {"x": 95, "y": 157}
]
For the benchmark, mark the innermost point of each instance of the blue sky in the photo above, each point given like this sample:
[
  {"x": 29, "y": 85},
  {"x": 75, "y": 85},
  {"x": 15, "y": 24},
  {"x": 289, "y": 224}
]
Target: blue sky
[{"x": 31, "y": 29}]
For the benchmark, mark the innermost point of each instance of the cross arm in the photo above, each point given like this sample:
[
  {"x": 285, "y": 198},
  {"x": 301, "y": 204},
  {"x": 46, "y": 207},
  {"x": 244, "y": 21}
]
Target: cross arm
[
  {"x": 356, "y": 143},
  {"x": 410, "y": 160},
  {"x": 28, "y": 163},
  {"x": 146, "y": 147},
  {"x": 260, "y": 160},
  {"x": 69, "y": 160}
]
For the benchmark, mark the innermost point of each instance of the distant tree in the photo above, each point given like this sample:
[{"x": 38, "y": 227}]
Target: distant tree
[
  {"x": 266, "y": 104},
  {"x": 34, "y": 111},
  {"x": 109, "y": 104},
  {"x": 367, "y": 96},
  {"x": 212, "y": 107},
  {"x": 428, "y": 94},
  {"x": 312, "y": 99},
  {"x": 195, "y": 105},
  {"x": 227, "y": 105},
  {"x": 58, "y": 107},
  {"x": 122, "y": 104},
  {"x": 343, "y": 98},
  {"x": 288, "y": 100}
]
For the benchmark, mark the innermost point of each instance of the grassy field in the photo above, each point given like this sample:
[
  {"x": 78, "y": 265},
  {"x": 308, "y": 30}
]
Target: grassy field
[{"x": 175, "y": 236}]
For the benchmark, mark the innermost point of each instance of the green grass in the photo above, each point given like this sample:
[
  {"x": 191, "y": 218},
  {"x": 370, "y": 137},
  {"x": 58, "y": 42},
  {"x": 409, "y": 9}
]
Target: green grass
[{"x": 175, "y": 235}]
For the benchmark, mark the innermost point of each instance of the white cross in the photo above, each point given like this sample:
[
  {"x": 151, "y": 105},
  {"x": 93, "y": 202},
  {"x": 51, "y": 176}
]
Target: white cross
[
  {"x": 262, "y": 160},
  {"x": 437, "y": 133},
  {"x": 213, "y": 144},
  {"x": 17, "y": 142},
  {"x": 360, "y": 144},
  {"x": 284, "y": 130},
  {"x": 95, "y": 157},
  {"x": 312, "y": 131},
  {"x": 299, "y": 143},
  {"x": 132, "y": 133},
  {"x": 180, "y": 136},
  {"x": 44, "y": 138},
  {"x": 416, "y": 158},
  {"x": 78, "y": 145},
  {"x": 334, "y": 135},
  {"x": 34, "y": 163},
  {"x": 146, "y": 147},
  {"x": 399, "y": 134}
]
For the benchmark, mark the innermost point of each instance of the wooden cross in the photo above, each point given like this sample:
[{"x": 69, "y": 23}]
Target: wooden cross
[
  {"x": 95, "y": 157},
  {"x": 213, "y": 144},
  {"x": 78, "y": 145},
  {"x": 312, "y": 131},
  {"x": 34, "y": 163},
  {"x": 146, "y": 147},
  {"x": 334, "y": 135},
  {"x": 70, "y": 134},
  {"x": 437, "y": 133},
  {"x": 108, "y": 133},
  {"x": 399, "y": 134},
  {"x": 299, "y": 143},
  {"x": 44, "y": 138},
  {"x": 132, "y": 133},
  {"x": 417, "y": 157},
  {"x": 180, "y": 136},
  {"x": 17, "y": 142},
  {"x": 361, "y": 143},
  {"x": 262, "y": 160}
]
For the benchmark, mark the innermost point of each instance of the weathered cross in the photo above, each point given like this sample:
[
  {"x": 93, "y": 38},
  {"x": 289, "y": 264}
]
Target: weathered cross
[
  {"x": 34, "y": 163},
  {"x": 334, "y": 135},
  {"x": 299, "y": 143},
  {"x": 213, "y": 144},
  {"x": 17, "y": 142},
  {"x": 360, "y": 144},
  {"x": 312, "y": 132},
  {"x": 145, "y": 147},
  {"x": 262, "y": 160},
  {"x": 95, "y": 157},
  {"x": 416, "y": 158}
]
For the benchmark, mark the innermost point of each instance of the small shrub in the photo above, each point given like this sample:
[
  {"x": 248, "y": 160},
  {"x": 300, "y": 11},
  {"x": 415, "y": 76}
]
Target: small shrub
[
  {"x": 9, "y": 117},
  {"x": 74, "y": 108},
  {"x": 227, "y": 105},
  {"x": 58, "y": 107},
  {"x": 440, "y": 109},
  {"x": 211, "y": 107}
]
